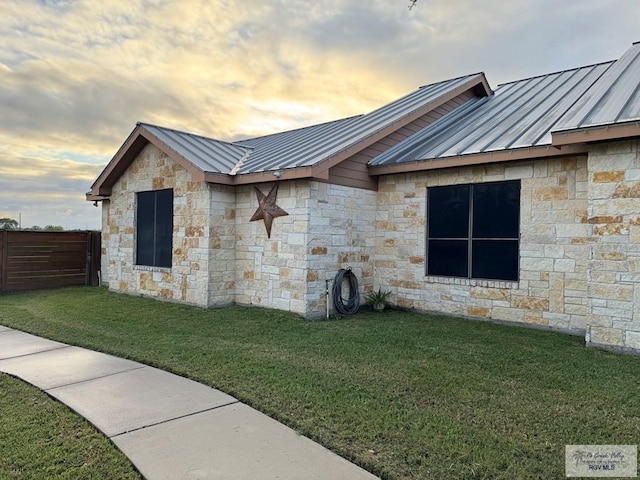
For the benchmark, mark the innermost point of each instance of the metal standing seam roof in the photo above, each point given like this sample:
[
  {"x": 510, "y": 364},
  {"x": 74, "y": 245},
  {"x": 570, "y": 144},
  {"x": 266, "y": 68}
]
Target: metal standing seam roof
[
  {"x": 301, "y": 147},
  {"x": 206, "y": 154},
  {"x": 520, "y": 114},
  {"x": 614, "y": 99},
  {"x": 283, "y": 148},
  {"x": 307, "y": 147}
]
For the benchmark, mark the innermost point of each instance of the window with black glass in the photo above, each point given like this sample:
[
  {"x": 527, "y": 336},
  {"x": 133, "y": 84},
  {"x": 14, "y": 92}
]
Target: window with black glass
[
  {"x": 154, "y": 231},
  {"x": 473, "y": 230}
]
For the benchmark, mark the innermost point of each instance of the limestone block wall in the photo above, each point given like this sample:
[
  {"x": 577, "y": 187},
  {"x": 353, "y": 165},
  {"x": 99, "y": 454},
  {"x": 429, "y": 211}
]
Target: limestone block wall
[
  {"x": 188, "y": 278},
  {"x": 614, "y": 266},
  {"x": 106, "y": 238},
  {"x": 273, "y": 272},
  {"x": 554, "y": 247},
  {"x": 341, "y": 235},
  {"x": 222, "y": 245}
]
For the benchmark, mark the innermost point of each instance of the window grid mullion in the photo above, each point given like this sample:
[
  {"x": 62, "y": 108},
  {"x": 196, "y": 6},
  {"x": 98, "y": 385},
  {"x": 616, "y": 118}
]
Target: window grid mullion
[
  {"x": 428, "y": 234},
  {"x": 155, "y": 227},
  {"x": 470, "y": 234}
]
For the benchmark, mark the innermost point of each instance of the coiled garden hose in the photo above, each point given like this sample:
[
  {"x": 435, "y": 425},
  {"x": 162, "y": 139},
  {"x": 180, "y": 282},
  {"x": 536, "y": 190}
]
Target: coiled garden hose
[{"x": 350, "y": 305}]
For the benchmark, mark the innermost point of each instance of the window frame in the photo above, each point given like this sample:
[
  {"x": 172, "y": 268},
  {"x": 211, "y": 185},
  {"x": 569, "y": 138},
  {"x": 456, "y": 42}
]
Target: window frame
[
  {"x": 476, "y": 242},
  {"x": 160, "y": 239}
]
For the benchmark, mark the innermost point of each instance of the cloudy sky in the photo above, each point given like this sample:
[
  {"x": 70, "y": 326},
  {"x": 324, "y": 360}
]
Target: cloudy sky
[{"x": 76, "y": 75}]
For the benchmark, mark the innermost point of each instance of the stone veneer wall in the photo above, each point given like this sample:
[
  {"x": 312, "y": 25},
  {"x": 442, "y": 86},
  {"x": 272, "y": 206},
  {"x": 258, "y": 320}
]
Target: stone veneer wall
[
  {"x": 554, "y": 247},
  {"x": 106, "y": 239},
  {"x": 614, "y": 266},
  {"x": 341, "y": 235},
  {"x": 273, "y": 272},
  {"x": 188, "y": 279},
  {"x": 222, "y": 242},
  {"x": 328, "y": 227},
  {"x": 219, "y": 257}
]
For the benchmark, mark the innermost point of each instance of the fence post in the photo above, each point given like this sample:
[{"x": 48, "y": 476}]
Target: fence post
[
  {"x": 89, "y": 260},
  {"x": 3, "y": 260},
  {"x": 97, "y": 258},
  {"x": 93, "y": 258}
]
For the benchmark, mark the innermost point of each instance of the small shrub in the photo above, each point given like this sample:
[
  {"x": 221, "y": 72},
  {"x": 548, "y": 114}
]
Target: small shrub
[{"x": 378, "y": 300}]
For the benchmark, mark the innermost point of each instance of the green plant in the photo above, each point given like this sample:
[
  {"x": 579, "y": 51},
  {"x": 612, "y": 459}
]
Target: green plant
[{"x": 378, "y": 300}]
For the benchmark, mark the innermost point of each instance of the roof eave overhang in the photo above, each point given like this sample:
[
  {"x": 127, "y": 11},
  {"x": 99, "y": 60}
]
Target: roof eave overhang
[
  {"x": 599, "y": 133},
  {"x": 95, "y": 198},
  {"x": 527, "y": 153},
  {"x": 298, "y": 173},
  {"x": 129, "y": 151}
]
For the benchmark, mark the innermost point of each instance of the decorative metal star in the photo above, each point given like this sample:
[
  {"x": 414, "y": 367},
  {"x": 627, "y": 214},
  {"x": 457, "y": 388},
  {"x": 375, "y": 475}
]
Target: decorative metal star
[{"x": 267, "y": 208}]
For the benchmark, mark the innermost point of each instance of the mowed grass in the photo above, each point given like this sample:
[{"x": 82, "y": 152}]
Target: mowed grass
[
  {"x": 406, "y": 396},
  {"x": 42, "y": 439}
]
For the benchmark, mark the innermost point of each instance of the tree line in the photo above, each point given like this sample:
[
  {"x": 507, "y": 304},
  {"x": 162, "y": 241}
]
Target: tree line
[{"x": 12, "y": 224}]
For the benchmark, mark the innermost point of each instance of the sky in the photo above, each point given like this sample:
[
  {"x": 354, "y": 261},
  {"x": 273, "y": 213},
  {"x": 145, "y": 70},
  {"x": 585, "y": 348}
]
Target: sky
[{"x": 76, "y": 75}]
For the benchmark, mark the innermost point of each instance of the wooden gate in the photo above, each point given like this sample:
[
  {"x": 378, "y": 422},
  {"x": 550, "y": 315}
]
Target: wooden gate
[{"x": 34, "y": 260}]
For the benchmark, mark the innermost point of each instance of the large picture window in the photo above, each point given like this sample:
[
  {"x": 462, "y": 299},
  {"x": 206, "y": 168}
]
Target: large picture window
[
  {"x": 154, "y": 231},
  {"x": 473, "y": 230}
]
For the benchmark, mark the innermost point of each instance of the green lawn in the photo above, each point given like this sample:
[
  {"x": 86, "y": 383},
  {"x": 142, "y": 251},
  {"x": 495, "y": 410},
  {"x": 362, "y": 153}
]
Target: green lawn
[
  {"x": 42, "y": 439},
  {"x": 404, "y": 395}
]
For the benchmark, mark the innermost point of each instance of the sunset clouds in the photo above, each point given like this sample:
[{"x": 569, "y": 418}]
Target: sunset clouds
[{"x": 76, "y": 75}]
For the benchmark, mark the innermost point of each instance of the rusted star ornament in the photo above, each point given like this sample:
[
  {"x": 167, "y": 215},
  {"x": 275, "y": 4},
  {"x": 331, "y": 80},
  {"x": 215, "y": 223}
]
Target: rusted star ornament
[{"x": 267, "y": 208}]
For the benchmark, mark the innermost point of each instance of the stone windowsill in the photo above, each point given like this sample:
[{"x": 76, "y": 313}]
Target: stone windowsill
[
  {"x": 472, "y": 282},
  {"x": 147, "y": 268}
]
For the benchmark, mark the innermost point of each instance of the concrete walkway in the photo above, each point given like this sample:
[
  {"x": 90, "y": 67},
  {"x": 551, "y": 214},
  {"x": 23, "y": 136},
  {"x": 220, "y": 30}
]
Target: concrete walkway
[{"x": 170, "y": 427}]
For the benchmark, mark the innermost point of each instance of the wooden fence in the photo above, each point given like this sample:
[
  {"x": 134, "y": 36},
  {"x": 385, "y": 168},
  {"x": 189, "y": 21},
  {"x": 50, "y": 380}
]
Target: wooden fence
[{"x": 34, "y": 260}]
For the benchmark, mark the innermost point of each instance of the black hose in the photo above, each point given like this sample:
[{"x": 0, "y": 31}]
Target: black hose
[{"x": 351, "y": 305}]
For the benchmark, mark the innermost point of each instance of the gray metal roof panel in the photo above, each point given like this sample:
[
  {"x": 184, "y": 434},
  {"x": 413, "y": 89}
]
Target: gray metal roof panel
[
  {"x": 552, "y": 108},
  {"x": 280, "y": 150},
  {"x": 520, "y": 114},
  {"x": 291, "y": 135},
  {"x": 206, "y": 154},
  {"x": 614, "y": 98},
  {"x": 307, "y": 147},
  {"x": 413, "y": 147},
  {"x": 530, "y": 124},
  {"x": 301, "y": 147}
]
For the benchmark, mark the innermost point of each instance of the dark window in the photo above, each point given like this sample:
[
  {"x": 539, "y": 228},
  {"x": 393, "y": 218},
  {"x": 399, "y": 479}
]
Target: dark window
[
  {"x": 154, "y": 233},
  {"x": 473, "y": 230}
]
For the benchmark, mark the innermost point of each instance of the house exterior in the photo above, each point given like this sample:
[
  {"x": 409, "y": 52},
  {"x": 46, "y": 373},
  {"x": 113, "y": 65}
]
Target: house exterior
[{"x": 520, "y": 204}]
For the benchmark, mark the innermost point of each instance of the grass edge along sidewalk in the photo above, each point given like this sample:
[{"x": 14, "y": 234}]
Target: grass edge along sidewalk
[
  {"x": 404, "y": 395},
  {"x": 42, "y": 438}
]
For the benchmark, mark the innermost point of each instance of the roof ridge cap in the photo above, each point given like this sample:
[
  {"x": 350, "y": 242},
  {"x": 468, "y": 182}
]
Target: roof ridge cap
[
  {"x": 451, "y": 80},
  {"x": 611, "y": 62}
]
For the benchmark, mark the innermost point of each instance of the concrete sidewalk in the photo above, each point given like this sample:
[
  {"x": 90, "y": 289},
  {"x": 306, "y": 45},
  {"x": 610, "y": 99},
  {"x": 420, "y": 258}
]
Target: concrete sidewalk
[{"x": 170, "y": 427}]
